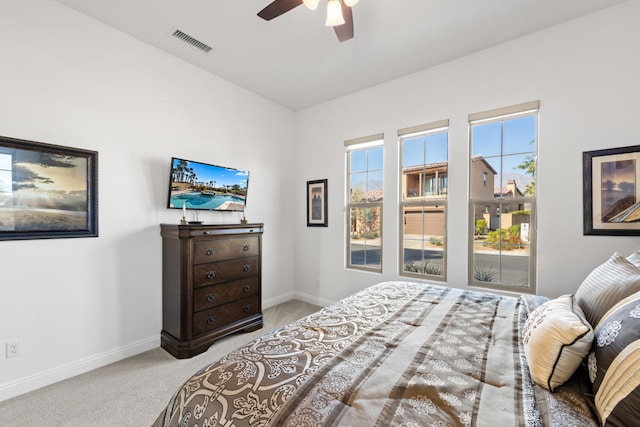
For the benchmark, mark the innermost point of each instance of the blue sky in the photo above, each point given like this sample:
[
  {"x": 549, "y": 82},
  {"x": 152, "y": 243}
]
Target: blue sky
[
  {"x": 515, "y": 139},
  {"x": 221, "y": 175},
  {"x": 505, "y": 145},
  {"x": 420, "y": 151}
]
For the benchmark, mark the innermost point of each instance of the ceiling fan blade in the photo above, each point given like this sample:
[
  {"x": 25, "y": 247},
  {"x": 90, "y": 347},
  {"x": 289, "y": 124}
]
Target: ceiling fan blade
[
  {"x": 345, "y": 31},
  {"x": 277, "y": 8}
]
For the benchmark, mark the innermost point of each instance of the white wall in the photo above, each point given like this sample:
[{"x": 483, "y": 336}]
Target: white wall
[
  {"x": 65, "y": 79},
  {"x": 585, "y": 74}
]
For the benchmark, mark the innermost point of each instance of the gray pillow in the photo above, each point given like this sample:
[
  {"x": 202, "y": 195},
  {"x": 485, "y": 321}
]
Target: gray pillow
[
  {"x": 614, "y": 364},
  {"x": 607, "y": 284}
]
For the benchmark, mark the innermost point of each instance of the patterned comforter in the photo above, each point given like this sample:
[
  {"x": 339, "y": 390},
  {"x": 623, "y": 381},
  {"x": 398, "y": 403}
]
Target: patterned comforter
[{"x": 395, "y": 354}]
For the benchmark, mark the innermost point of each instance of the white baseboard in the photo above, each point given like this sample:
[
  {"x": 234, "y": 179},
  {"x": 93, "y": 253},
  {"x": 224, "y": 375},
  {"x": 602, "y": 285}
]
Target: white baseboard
[
  {"x": 60, "y": 373},
  {"x": 272, "y": 302},
  {"x": 311, "y": 299}
]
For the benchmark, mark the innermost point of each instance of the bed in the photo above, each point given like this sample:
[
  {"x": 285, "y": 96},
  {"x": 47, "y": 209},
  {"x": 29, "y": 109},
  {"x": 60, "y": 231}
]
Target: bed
[{"x": 397, "y": 353}]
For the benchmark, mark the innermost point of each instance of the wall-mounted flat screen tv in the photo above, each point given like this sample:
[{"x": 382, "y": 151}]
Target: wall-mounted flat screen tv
[{"x": 202, "y": 186}]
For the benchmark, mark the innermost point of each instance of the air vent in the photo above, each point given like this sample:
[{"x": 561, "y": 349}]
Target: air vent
[{"x": 192, "y": 41}]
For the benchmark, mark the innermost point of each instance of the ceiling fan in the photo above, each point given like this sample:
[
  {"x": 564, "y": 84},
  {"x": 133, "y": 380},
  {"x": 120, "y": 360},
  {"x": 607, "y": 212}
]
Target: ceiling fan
[{"x": 339, "y": 15}]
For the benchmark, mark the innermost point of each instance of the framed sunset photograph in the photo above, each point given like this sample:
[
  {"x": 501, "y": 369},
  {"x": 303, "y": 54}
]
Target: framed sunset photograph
[
  {"x": 611, "y": 195},
  {"x": 47, "y": 191}
]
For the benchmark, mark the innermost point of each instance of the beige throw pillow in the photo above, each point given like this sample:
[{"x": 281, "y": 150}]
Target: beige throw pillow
[
  {"x": 607, "y": 284},
  {"x": 634, "y": 258},
  {"x": 556, "y": 339}
]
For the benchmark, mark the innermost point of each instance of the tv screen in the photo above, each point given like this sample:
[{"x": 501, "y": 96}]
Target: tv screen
[{"x": 202, "y": 186}]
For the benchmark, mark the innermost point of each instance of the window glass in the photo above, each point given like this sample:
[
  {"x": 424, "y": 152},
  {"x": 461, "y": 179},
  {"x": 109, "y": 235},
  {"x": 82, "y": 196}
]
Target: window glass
[
  {"x": 502, "y": 191},
  {"x": 364, "y": 210},
  {"x": 366, "y": 233},
  {"x": 424, "y": 177},
  {"x": 358, "y": 161}
]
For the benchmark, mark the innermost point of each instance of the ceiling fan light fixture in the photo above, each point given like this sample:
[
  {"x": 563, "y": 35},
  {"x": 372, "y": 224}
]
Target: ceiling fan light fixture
[
  {"x": 311, "y": 4},
  {"x": 351, "y": 3},
  {"x": 334, "y": 14}
]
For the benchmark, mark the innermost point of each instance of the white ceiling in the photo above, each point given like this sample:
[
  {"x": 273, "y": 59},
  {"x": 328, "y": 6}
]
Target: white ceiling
[{"x": 295, "y": 61}]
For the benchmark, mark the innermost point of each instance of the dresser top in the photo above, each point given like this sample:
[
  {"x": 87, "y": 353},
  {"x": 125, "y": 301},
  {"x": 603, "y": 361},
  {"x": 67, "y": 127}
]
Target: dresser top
[{"x": 194, "y": 230}]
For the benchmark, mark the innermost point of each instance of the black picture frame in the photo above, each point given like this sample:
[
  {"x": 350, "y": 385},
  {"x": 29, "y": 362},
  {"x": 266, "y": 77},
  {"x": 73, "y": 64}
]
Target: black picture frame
[
  {"x": 611, "y": 191},
  {"x": 317, "y": 207},
  {"x": 47, "y": 191}
]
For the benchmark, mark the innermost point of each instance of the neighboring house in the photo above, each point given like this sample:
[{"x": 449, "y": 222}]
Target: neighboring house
[
  {"x": 425, "y": 181},
  {"x": 510, "y": 191},
  {"x": 482, "y": 181},
  {"x": 431, "y": 182},
  {"x": 506, "y": 218},
  {"x": 482, "y": 185}
]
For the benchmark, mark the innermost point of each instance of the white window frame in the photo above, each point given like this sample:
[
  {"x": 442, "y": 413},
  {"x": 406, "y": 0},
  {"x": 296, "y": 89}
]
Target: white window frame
[
  {"x": 492, "y": 116},
  {"x": 364, "y": 143},
  {"x": 423, "y": 201}
]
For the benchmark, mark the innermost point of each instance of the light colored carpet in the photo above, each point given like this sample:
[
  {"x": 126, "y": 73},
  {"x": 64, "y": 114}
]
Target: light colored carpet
[{"x": 131, "y": 392}]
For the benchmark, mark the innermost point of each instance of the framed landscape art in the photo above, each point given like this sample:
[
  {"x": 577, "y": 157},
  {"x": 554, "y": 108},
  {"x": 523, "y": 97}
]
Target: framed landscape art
[
  {"x": 47, "y": 191},
  {"x": 611, "y": 193}
]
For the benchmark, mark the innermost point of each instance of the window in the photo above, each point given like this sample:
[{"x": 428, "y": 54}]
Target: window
[
  {"x": 364, "y": 202},
  {"x": 423, "y": 205},
  {"x": 502, "y": 197}
]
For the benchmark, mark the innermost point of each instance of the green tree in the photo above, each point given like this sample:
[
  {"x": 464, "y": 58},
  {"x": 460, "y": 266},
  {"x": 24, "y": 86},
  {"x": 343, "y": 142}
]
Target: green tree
[{"x": 528, "y": 166}]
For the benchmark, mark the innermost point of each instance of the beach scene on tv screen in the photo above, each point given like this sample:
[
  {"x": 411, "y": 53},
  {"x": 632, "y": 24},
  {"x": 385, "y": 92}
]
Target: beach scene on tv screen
[{"x": 203, "y": 186}]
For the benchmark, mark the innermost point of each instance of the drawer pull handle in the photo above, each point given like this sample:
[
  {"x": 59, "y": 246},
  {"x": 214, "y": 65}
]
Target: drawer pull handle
[
  {"x": 247, "y": 288},
  {"x": 209, "y": 251},
  {"x": 245, "y": 248},
  {"x": 210, "y": 297},
  {"x": 247, "y": 308},
  {"x": 246, "y": 267},
  {"x": 210, "y": 320},
  {"x": 211, "y": 274},
  {"x": 205, "y": 232}
]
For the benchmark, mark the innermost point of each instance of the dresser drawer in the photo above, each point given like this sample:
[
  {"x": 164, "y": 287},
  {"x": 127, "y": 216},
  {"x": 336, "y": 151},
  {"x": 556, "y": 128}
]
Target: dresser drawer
[
  {"x": 219, "y": 249},
  {"x": 223, "y": 271},
  {"x": 212, "y": 296},
  {"x": 222, "y": 315}
]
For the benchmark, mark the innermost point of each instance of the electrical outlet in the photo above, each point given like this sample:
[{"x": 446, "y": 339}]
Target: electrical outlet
[{"x": 13, "y": 349}]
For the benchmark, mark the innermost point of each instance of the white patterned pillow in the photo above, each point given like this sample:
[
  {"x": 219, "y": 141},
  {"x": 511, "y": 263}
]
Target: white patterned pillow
[
  {"x": 634, "y": 258},
  {"x": 556, "y": 339},
  {"x": 607, "y": 284},
  {"x": 614, "y": 364}
]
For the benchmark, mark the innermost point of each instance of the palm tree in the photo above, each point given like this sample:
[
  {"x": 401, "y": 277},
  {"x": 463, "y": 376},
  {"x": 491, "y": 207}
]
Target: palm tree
[
  {"x": 528, "y": 166},
  {"x": 179, "y": 171},
  {"x": 191, "y": 176}
]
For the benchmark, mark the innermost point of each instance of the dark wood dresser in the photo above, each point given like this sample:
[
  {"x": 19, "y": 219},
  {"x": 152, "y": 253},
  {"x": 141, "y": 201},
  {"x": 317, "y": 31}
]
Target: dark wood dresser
[{"x": 211, "y": 284}]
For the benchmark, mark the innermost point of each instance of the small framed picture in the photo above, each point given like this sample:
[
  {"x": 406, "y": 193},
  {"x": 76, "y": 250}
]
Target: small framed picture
[
  {"x": 611, "y": 193},
  {"x": 317, "y": 203},
  {"x": 47, "y": 191}
]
